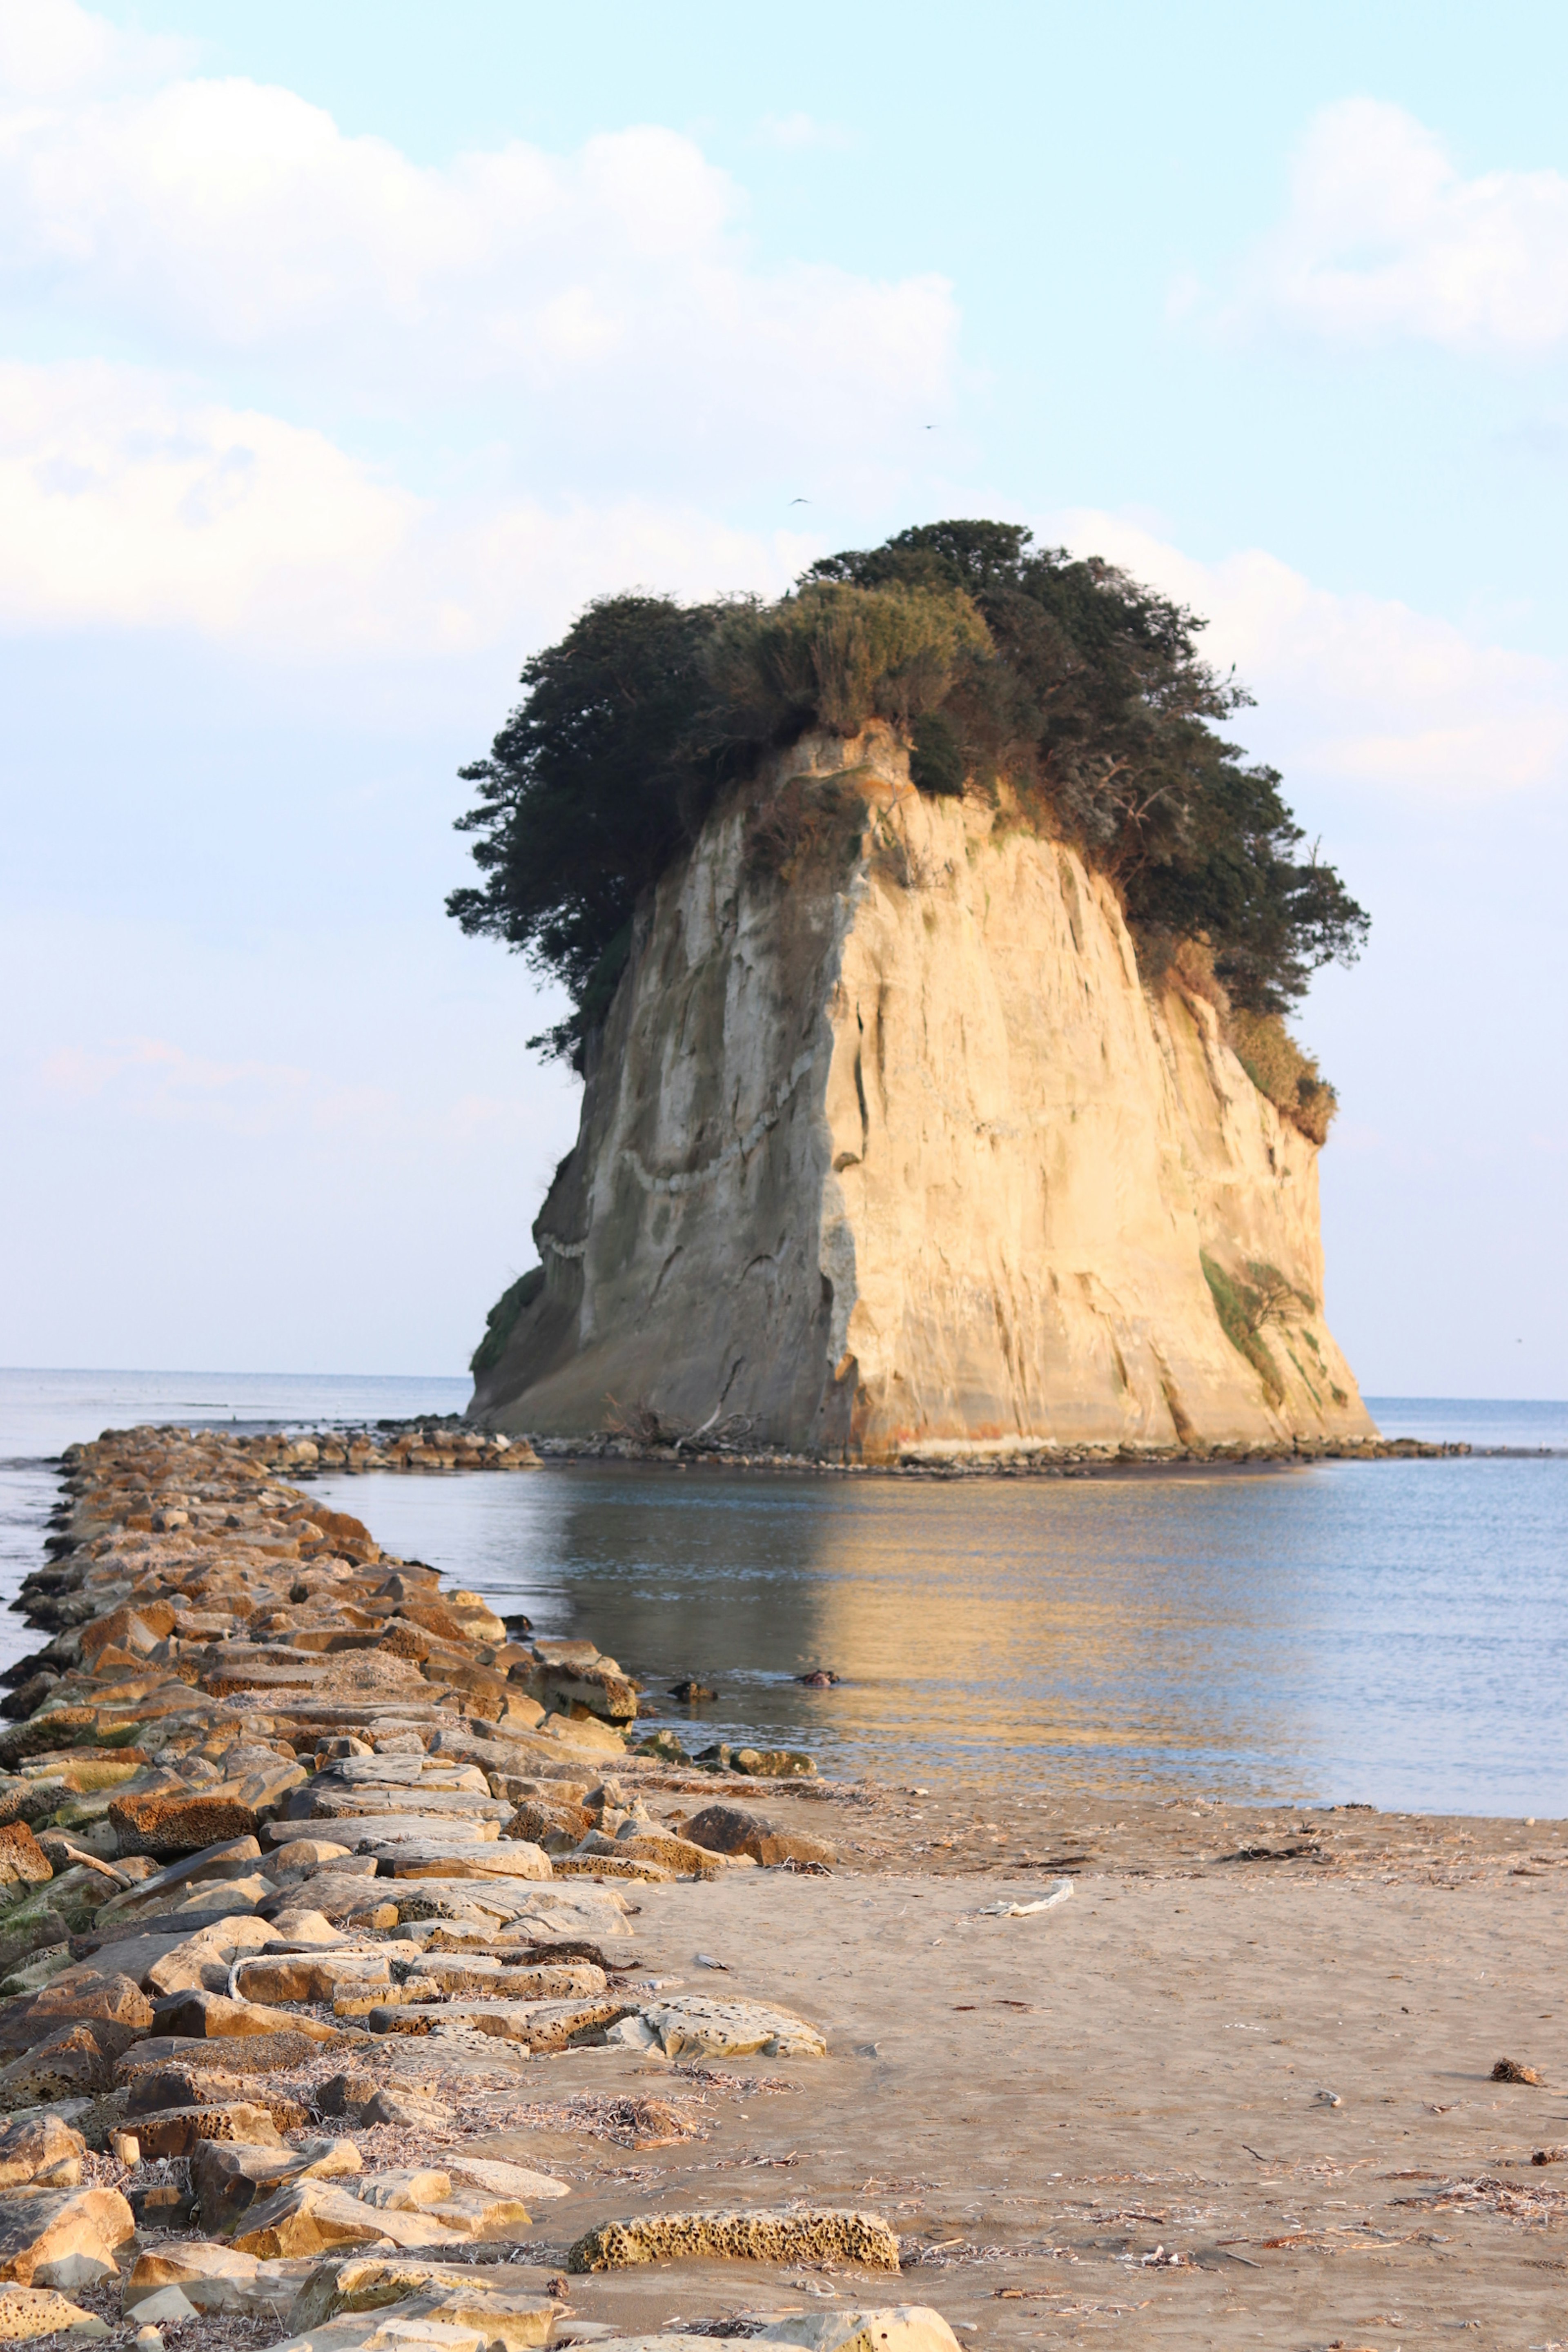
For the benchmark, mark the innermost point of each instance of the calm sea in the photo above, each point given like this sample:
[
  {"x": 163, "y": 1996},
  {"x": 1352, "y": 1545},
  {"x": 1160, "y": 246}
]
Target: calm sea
[{"x": 1391, "y": 1632}]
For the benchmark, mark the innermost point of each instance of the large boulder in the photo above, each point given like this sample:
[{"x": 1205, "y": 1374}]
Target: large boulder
[
  {"x": 70, "y": 2063},
  {"x": 23, "y": 1862},
  {"x": 209, "y": 2016},
  {"x": 40, "y": 2149},
  {"x": 168, "y": 1826},
  {"x": 63, "y": 2237},
  {"x": 735, "y": 1829},
  {"x": 211, "y": 2278},
  {"x": 90, "y": 1993},
  {"x": 690, "y": 2025},
  {"x": 312, "y": 2216}
]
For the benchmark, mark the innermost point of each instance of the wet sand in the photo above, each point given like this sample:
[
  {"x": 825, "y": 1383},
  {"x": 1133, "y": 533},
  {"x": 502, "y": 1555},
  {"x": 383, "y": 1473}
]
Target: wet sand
[{"x": 1049, "y": 2109}]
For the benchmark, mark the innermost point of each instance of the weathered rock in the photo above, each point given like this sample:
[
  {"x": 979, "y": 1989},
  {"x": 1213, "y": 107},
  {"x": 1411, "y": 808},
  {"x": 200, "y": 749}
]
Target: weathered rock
[
  {"x": 424, "y": 1857},
  {"x": 168, "y": 1827},
  {"x": 90, "y": 1994},
  {"x": 558, "y": 1980},
  {"x": 683, "y": 1856},
  {"x": 314, "y": 1975},
  {"x": 233, "y": 1858},
  {"x": 229, "y": 2178},
  {"x": 210, "y": 2015},
  {"x": 210, "y": 2277},
  {"x": 311, "y": 2216},
  {"x": 902, "y": 1103},
  {"x": 307, "y": 1854},
  {"x": 503, "y": 2179},
  {"x": 157, "y": 2089},
  {"x": 900, "y": 2327},
  {"x": 63, "y": 2237},
  {"x": 69, "y": 2062},
  {"x": 23, "y": 1862},
  {"x": 690, "y": 2025},
  {"x": 406, "y": 2191},
  {"x": 731, "y": 1828},
  {"x": 29, "y": 2310},
  {"x": 372, "y": 2281},
  {"x": 177, "y": 2131},
  {"x": 807, "y": 2235},
  {"x": 538, "y": 2025},
  {"x": 406, "y": 2110},
  {"x": 247, "y": 2054},
  {"x": 41, "y": 2149},
  {"x": 537, "y": 1818},
  {"x": 610, "y": 1865}
]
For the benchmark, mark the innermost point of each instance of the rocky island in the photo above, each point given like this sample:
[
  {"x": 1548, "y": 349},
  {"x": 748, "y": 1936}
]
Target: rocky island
[{"x": 937, "y": 1096}]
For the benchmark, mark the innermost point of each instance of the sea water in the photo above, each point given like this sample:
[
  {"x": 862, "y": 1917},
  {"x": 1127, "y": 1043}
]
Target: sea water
[{"x": 1394, "y": 1632}]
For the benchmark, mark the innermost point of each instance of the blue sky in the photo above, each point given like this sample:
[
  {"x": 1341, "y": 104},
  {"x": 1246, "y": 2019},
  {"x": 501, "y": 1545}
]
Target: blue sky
[{"x": 344, "y": 352}]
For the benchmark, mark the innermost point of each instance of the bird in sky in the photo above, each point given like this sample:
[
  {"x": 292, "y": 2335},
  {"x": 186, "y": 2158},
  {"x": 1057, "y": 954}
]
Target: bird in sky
[{"x": 799, "y": 503}]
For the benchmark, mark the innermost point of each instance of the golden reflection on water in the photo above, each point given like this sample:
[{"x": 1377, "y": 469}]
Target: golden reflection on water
[{"x": 1397, "y": 1631}]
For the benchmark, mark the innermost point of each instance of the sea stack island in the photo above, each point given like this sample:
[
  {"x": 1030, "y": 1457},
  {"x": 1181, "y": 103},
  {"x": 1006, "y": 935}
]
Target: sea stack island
[{"x": 930, "y": 951}]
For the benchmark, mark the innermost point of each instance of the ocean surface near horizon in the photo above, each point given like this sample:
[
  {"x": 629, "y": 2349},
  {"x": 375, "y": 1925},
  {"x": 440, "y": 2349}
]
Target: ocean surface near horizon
[{"x": 1391, "y": 1633}]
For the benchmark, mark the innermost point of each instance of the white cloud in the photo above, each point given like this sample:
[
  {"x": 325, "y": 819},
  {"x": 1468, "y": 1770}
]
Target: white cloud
[
  {"x": 51, "y": 49},
  {"x": 607, "y": 295},
  {"x": 1359, "y": 688},
  {"x": 126, "y": 499},
  {"x": 793, "y": 132},
  {"x": 1384, "y": 236}
]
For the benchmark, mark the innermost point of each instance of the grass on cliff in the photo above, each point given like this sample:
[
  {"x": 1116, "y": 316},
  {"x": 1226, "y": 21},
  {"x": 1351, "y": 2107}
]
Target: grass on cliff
[
  {"x": 1246, "y": 1304},
  {"x": 1278, "y": 1067},
  {"x": 1000, "y": 661},
  {"x": 501, "y": 1320}
]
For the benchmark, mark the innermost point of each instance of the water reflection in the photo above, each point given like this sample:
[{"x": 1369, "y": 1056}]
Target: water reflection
[{"x": 1393, "y": 1632}]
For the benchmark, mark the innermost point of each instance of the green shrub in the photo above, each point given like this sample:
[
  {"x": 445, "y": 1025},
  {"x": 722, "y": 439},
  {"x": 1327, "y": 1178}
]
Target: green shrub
[
  {"x": 998, "y": 660},
  {"x": 501, "y": 1320},
  {"x": 836, "y": 656},
  {"x": 1240, "y": 1310},
  {"x": 936, "y": 754},
  {"x": 1279, "y": 1069}
]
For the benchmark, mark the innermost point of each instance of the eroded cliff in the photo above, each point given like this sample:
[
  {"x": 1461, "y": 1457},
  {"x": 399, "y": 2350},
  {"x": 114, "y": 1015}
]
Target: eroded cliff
[{"x": 895, "y": 1152}]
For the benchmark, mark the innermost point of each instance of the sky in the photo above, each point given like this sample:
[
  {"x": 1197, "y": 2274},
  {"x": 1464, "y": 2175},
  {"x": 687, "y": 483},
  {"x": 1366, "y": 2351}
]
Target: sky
[{"x": 344, "y": 353}]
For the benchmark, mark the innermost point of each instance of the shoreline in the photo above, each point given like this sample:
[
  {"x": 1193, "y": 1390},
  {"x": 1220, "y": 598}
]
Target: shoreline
[{"x": 1104, "y": 2111}]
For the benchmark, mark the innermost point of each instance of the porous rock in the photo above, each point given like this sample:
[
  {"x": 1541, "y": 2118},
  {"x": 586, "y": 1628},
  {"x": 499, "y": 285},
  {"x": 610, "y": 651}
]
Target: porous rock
[
  {"x": 70, "y": 2063},
  {"x": 23, "y": 1862},
  {"x": 168, "y": 1827},
  {"x": 822, "y": 2234},
  {"x": 29, "y": 2310}
]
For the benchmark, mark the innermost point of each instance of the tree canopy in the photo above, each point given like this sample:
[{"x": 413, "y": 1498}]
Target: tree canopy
[{"x": 1005, "y": 664}]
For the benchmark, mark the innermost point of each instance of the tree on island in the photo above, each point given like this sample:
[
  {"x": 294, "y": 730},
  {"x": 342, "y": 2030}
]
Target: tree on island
[{"x": 1011, "y": 670}]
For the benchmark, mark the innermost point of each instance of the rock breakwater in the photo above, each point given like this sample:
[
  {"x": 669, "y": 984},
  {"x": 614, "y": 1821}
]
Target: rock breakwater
[{"x": 302, "y": 1859}]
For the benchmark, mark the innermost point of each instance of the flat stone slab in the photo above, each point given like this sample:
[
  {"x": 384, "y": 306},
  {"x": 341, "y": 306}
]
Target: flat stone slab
[
  {"x": 416, "y": 1858},
  {"x": 692, "y": 2025}
]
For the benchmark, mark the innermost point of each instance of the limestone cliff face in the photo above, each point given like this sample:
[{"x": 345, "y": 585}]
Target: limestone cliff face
[{"x": 901, "y": 1155}]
